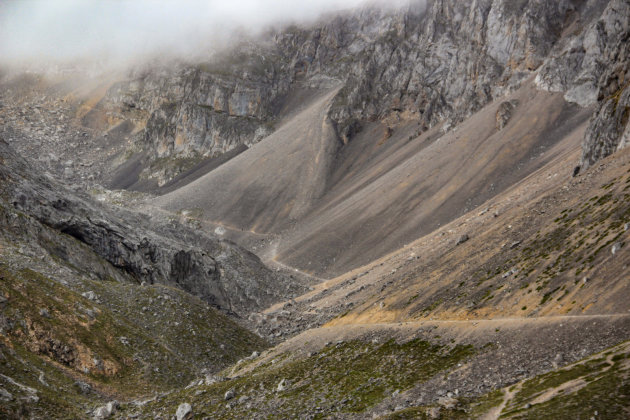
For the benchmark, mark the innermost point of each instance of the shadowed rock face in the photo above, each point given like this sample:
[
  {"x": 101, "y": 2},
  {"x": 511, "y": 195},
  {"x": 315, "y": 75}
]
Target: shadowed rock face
[
  {"x": 219, "y": 272},
  {"x": 609, "y": 129}
]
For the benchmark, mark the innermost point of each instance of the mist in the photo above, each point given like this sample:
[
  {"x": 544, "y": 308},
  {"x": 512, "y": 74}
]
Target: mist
[{"x": 119, "y": 31}]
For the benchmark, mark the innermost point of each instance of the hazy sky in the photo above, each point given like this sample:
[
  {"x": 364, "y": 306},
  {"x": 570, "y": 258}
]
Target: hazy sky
[{"x": 61, "y": 30}]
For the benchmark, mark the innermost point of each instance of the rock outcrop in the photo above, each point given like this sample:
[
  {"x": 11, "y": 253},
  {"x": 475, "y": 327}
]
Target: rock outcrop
[
  {"x": 223, "y": 274},
  {"x": 592, "y": 68},
  {"x": 609, "y": 129}
]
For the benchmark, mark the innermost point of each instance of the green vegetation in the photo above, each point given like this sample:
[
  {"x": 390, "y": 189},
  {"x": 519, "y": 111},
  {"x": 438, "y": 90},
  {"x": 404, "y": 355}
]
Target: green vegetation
[
  {"x": 349, "y": 377},
  {"x": 130, "y": 341},
  {"x": 598, "y": 385},
  {"x": 578, "y": 240}
]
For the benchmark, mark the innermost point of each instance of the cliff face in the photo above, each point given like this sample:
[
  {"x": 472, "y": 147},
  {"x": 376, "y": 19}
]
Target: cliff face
[
  {"x": 609, "y": 42},
  {"x": 442, "y": 62},
  {"x": 433, "y": 62}
]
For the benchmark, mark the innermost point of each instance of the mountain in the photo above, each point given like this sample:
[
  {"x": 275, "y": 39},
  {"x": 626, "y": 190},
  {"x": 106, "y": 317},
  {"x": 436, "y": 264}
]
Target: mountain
[{"x": 411, "y": 212}]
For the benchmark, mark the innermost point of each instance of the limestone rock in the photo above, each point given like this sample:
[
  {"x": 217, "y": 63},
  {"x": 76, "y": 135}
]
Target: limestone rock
[
  {"x": 106, "y": 410},
  {"x": 463, "y": 238},
  {"x": 282, "y": 385},
  {"x": 184, "y": 411},
  {"x": 229, "y": 394}
]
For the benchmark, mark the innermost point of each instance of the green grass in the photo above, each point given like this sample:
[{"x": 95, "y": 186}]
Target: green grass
[
  {"x": 165, "y": 346},
  {"x": 349, "y": 377}
]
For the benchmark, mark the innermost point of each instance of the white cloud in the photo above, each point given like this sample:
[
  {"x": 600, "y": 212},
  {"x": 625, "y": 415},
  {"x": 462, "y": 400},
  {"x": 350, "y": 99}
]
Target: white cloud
[{"x": 62, "y": 30}]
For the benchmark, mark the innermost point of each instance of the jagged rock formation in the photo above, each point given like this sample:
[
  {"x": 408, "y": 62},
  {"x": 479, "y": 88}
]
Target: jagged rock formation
[
  {"x": 223, "y": 274},
  {"x": 609, "y": 129},
  {"x": 593, "y": 68},
  {"x": 431, "y": 62}
]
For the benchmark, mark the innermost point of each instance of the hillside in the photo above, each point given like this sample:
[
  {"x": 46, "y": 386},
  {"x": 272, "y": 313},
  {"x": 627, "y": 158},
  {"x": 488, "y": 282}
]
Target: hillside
[{"x": 420, "y": 211}]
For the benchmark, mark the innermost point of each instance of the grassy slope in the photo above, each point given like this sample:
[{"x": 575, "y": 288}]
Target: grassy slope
[
  {"x": 596, "y": 386},
  {"x": 138, "y": 341},
  {"x": 346, "y": 378},
  {"x": 531, "y": 261}
]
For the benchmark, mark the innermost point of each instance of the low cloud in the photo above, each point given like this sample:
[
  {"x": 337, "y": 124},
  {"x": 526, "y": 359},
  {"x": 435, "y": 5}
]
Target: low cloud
[{"x": 58, "y": 31}]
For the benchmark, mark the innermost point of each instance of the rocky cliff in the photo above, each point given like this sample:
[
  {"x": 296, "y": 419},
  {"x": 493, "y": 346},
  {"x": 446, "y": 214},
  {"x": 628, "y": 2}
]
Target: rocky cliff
[{"x": 431, "y": 62}]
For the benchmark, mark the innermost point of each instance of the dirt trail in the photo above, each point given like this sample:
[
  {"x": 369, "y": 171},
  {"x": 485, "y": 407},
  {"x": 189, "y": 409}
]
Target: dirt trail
[
  {"x": 508, "y": 394},
  {"x": 565, "y": 388}
]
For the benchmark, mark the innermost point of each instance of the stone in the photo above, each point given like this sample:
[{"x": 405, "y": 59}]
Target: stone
[
  {"x": 463, "y": 238},
  {"x": 83, "y": 387},
  {"x": 282, "y": 385},
  {"x": 98, "y": 363},
  {"x": 5, "y": 395},
  {"x": 90, "y": 295},
  {"x": 184, "y": 411},
  {"x": 504, "y": 113},
  {"x": 44, "y": 313},
  {"x": 106, "y": 411},
  {"x": 616, "y": 247},
  {"x": 229, "y": 394},
  {"x": 42, "y": 379}
]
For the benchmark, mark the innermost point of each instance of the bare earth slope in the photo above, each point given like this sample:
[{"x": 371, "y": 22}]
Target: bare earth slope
[
  {"x": 273, "y": 183},
  {"x": 357, "y": 202}
]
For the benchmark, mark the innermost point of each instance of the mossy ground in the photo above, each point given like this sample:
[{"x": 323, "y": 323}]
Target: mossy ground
[
  {"x": 600, "y": 388},
  {"x": 348, "y": 377},
  {"x": 133, "y": 341}
]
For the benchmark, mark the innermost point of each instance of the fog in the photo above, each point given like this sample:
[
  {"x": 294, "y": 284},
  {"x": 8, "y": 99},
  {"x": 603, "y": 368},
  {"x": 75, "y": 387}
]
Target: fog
[{"x": 117, "y": 31}]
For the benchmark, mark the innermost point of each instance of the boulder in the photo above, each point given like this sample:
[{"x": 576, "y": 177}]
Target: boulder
[
  {"x": 504, "y": 113},
  {"x": 462, "y": 239},
  {"x": 616, "y": 247},
  {"x": 184, "y": 411},
  {"x": 229, "y": 394},
  {"x": 282, "y": 385}
]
